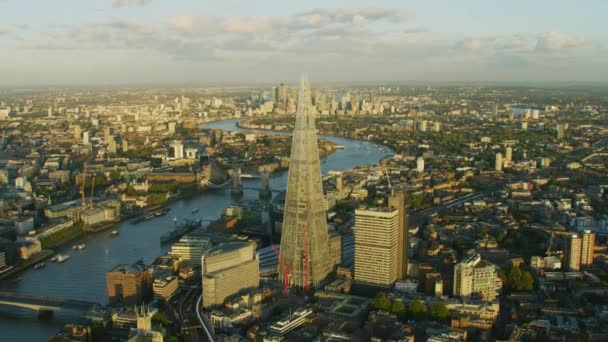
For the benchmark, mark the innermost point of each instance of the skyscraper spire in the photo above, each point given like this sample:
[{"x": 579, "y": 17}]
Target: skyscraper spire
[{"x": 304, "y": 240}]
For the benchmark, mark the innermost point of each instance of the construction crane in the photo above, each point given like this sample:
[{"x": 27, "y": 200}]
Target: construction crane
[
  {"x": 92, "y": 191},
  {"x": 84, "y": 178},
  {"x": 550, "y": 243},
  {"x": 388, "y": 178},
  {"x": 285, "y": 269}
]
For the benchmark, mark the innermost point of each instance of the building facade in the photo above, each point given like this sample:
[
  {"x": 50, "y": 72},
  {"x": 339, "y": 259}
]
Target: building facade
[
  {"x": 228, "y": 270},
  {"x": 476, "y": 277},
  {"x": 304, "y": 238},
  {"x": 587, "y": 247},
  {"x": 128, "y": 285},
  {"x": 376, "y": 246},
  {"x": 572, "y": 253},
  {"x": 397, "y": 200}
]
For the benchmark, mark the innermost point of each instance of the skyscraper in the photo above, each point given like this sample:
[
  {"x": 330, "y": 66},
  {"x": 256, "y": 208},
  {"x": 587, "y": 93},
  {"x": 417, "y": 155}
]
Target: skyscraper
[
  {"x": 509, "y": 154},
  {"x": 498, "y": 162},
  {"x": 397, "y": 200},
  {"x": 304, "y": 240},
  {"x": 376, "y": 246},
  {"x": 588, "y": 244},
  {"x": 572, "y": 258}
]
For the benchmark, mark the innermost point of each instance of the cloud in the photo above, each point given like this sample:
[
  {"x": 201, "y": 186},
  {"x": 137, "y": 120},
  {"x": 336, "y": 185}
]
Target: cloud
[
  {"x": 123, "y": 3},
  {"x": 339, "y": 37},
  {"x": 557, "y": 41}
]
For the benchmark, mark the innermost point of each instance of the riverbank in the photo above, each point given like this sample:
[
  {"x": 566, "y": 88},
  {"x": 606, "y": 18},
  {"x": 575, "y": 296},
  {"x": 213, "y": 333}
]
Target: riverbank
[
  {"x": 25, "y": 264},
  {"x": 84, "y": 277}
]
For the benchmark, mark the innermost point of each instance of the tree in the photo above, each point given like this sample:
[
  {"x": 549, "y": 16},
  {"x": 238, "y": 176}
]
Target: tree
[
  {"x": 418, "y": 310},
  {"x": 398, "y": 308},
  {"x": 518, "y": 279},
  {"x": 440, "y": 312},
  {"x": 160, "y": 318},
  {"x": 382, "y": 302}
]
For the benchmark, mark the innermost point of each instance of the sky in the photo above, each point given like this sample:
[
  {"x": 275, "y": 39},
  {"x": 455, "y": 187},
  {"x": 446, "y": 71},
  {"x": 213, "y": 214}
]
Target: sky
[{"x": 123, "y": 42}]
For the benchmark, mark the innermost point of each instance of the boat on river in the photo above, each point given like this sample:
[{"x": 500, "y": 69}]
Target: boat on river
[
  {"x": 114, "y": 233},
  {"x": 39, "y": 265},
  {"x": 180, "y": 230},
  {"x": 61, "y": 258},
  {"x": 79, "y": 247}
]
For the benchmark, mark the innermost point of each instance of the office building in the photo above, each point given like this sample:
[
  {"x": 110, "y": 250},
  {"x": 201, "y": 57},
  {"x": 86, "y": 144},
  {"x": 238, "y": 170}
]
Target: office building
[
  {"x": 304, "y": 238},
  {"x": 498, "y": 162},
  {"x": 420, "y": 165},
  {"x": 572, "y": 253},
  {"x": 129, "y": 284},
  {"x": 587, "y": 246},
  {"x": 189, "y": 250},
  {"x": 165, "y": 288},
  {"x": 376, "y": 246},
  {"x": 474, "y": 277},
  {"x": 228, "y": 270},
  {"x": 509, "y": 154},
  {"x": 396, "y": 200}
]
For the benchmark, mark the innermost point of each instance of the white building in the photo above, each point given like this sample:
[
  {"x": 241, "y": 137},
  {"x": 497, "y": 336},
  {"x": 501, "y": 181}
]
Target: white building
[{"x": 420, "y": 164}]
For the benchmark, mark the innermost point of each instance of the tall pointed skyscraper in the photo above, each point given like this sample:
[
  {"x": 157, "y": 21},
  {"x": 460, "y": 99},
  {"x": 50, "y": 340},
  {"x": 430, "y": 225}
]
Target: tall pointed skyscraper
[{"x": 304, "y": 241}]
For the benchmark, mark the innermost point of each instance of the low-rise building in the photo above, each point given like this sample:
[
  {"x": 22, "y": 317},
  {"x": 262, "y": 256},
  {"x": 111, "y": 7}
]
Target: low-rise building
[{"x": 165, "y": 288}]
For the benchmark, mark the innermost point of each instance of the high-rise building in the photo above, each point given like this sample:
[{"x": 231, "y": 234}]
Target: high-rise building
[
  {"x": 86, "y": 137},
  {"x": 498, "y": 162},
  {"x": 588, "y": 244},
  {"x": 282, "y": 93},
  {"x": 128, "y": 284},
  {"x": 77, "y": 132},
  {"x": 561, "y": 131},
  {"x": 397, "y": 200},
  {"x": 572, "y": 253},
  {"x": 112, "y": 148},
  {"x": 304, "y": 239},
  {"x": 509, "y": 154},
  {"x": 227, "y": 270},
  {"x": 476, "y": 277},
  {"x": 107, "y": 134},
  {"x": 420, "y": 165},
  {"x": 376, "y": 246}
]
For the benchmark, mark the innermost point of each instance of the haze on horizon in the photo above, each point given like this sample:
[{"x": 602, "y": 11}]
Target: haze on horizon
[{"x": 198, "y": 41}]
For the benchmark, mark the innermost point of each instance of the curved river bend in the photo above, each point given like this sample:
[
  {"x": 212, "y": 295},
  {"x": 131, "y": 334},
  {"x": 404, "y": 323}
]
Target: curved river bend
[{"x": 83, "y": 275}]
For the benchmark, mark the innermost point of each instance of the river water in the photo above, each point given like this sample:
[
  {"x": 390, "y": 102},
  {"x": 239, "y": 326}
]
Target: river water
[{"x": 83, "y": 275}]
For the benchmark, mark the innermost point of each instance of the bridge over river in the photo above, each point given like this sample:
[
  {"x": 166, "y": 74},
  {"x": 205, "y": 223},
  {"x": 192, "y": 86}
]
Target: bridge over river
[{"x": 43, "y": 303}]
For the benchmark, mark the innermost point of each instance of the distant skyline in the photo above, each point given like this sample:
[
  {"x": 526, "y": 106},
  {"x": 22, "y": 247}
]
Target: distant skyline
[{"x": 47, "y": 42}]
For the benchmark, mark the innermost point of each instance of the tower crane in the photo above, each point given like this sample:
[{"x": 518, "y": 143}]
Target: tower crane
[
  {"x": 84, "y": 178},
  {"x": 549, "y": 247}
]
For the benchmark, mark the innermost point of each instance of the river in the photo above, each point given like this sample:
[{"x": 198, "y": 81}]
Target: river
[{"x": 83, "y": 275}]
